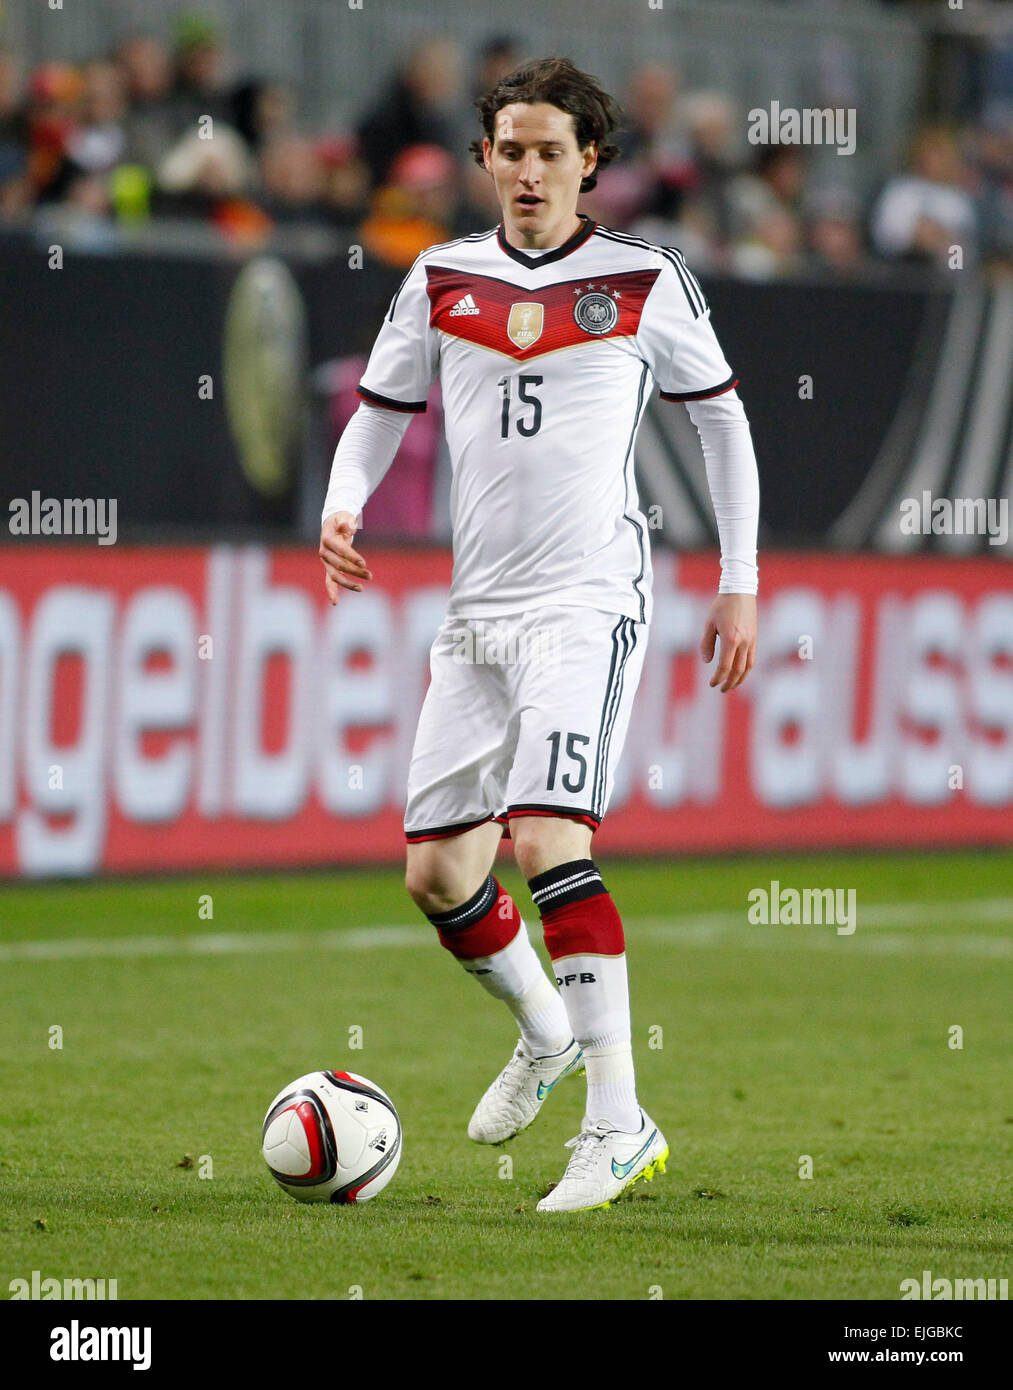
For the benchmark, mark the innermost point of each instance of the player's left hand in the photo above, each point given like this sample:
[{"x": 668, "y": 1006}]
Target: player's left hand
[{"x": 732, "y": 618}]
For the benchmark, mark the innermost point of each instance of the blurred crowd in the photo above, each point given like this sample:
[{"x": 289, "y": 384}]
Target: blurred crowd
[
  {"x": 781, "y": 210},
  {"x": 164, "y": 128}
]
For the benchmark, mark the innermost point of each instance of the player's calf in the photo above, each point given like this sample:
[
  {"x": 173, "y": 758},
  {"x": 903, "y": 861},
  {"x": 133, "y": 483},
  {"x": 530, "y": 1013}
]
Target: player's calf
[
  {"x": 584, "y": 936},
  {"x": 487, "y": 935}
]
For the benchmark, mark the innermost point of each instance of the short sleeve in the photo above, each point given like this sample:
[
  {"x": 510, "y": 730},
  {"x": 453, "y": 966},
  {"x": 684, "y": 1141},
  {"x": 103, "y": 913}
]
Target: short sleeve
[
  {"x": 676, "y": 338},
  {"x": 405, "y": 356}
]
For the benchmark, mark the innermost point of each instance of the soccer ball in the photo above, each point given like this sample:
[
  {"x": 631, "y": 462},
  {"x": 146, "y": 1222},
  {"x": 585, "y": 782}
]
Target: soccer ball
[{"x": 332, "y": 1136}]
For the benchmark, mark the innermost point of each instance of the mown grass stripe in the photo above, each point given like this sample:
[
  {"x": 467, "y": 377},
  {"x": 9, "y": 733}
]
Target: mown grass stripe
[{"x": 699, "y": 929}]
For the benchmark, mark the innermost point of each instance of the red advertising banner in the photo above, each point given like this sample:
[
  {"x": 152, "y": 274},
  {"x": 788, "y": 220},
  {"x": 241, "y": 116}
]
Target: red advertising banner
[{"x": 166, "y": 708}]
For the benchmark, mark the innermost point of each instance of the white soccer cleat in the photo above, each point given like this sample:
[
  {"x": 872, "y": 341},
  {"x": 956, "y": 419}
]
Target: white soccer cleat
[
  {"x": 516, "y": 1096},
  {"x": 605, "y": 1163}
]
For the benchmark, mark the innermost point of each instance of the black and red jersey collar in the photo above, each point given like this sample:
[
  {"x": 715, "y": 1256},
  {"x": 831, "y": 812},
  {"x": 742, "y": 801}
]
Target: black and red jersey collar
[{"x": 533, "y": 262}]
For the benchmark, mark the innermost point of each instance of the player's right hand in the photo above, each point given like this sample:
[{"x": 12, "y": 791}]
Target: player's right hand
[{"x": 345, "y": 568}]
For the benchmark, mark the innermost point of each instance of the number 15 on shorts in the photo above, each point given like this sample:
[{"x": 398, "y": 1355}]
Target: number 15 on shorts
[{"x": 572, "y": 781}]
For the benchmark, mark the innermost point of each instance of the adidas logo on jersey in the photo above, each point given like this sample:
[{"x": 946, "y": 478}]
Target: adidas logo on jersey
[{"x": 465, "y": 306}]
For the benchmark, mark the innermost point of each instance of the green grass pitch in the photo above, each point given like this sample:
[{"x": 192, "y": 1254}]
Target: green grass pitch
[{"x": 775, "y": 1043}]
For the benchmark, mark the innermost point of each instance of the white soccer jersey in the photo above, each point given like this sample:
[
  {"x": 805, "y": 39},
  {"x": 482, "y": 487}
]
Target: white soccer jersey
[{"x": 545, "y": 364}]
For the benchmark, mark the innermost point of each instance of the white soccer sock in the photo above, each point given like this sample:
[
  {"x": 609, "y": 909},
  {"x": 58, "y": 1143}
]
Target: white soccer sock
[
  {"x": 596, "y": 993},
  {"x": 515, "y": 975},
  {"x": 611, "y": 1086}
]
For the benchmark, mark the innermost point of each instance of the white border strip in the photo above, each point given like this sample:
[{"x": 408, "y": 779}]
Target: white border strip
[{"x": 702, "y": 929}]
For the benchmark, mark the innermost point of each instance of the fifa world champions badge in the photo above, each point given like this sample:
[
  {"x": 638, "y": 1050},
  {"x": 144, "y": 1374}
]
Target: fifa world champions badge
[{"x": 525, "y": 324}]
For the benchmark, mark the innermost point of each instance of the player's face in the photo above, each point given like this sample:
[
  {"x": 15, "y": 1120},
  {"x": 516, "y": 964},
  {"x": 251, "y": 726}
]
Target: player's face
[{"x": 537, "y": 167}]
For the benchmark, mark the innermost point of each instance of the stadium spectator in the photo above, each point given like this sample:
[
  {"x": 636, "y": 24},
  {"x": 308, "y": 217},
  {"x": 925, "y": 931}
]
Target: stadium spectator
[
  {"x": 834, "y": 234},
  {"x": 17, "y": 196},
  {"x": 97, "y": 142},
  {"x": 479, "y": 206},
  {"x": 147, "y": 68},
  {"x": 292, "y": 180},
  {"x": 150, "y": 122},
  {"x": 53, "y": 105},
  {"x": 710, "y": 125},
  {"x": 694, "y": 232},
  {"x": 416, "y": 208},
  {"x": 497, "y": 56},
  {"x": 13, "y": 130},
  {"x": 261, "y": 111},
  {"x": 921, "y": 214},
  {"x": 651, "y": 129},
  {"x": 765, "y": 210},
  {"x": 211, "y": 180},
  {"x": 417, "y": 109},
  {"x": 991, "y": 156},
  {"x": 201, "y": 86},
  {"x": 775, "y": 183},
  {"x": 650, "y": 177},
  {"x": 16, "y": 192},
  {"x": 82, "y": 217},
  {"x": 690, "y": 204},
  {"x": 771, "y": 248},
  {"x": 346, "y": 181},
  {"x": 217, "y": 167}
]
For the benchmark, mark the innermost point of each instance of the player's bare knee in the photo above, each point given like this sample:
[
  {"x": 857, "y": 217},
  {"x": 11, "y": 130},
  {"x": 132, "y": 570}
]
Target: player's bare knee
[
  {"x": 432, "y": 884},
  {"x": 543, "y": 842},
  {"x": 423, "y": 887}
]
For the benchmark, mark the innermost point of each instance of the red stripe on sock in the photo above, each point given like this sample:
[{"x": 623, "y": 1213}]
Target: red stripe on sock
[
  {"x": 489, "y": 934},
  {"x": 592, "y": 926}
]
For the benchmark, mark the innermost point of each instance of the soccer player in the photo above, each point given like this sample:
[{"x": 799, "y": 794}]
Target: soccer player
[{"x": 546, "y": 333}]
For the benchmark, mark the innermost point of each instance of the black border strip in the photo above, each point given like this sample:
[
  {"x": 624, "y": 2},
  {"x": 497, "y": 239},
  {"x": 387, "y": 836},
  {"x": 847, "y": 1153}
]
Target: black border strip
[
  {"x": 405, "y": 407},
  {"x": 435, "y": 830},
  {"x": 521, "y": 808},
  {"x": 534, "y": 262},
  {"x": 728, "y": 385}
]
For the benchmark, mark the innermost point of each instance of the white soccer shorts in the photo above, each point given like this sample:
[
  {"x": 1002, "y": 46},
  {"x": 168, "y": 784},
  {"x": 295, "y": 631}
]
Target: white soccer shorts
[{"x": 525, "y": 715}]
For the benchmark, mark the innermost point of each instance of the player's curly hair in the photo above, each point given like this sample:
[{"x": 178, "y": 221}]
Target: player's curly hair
[{"x": 560, "y": 83}]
